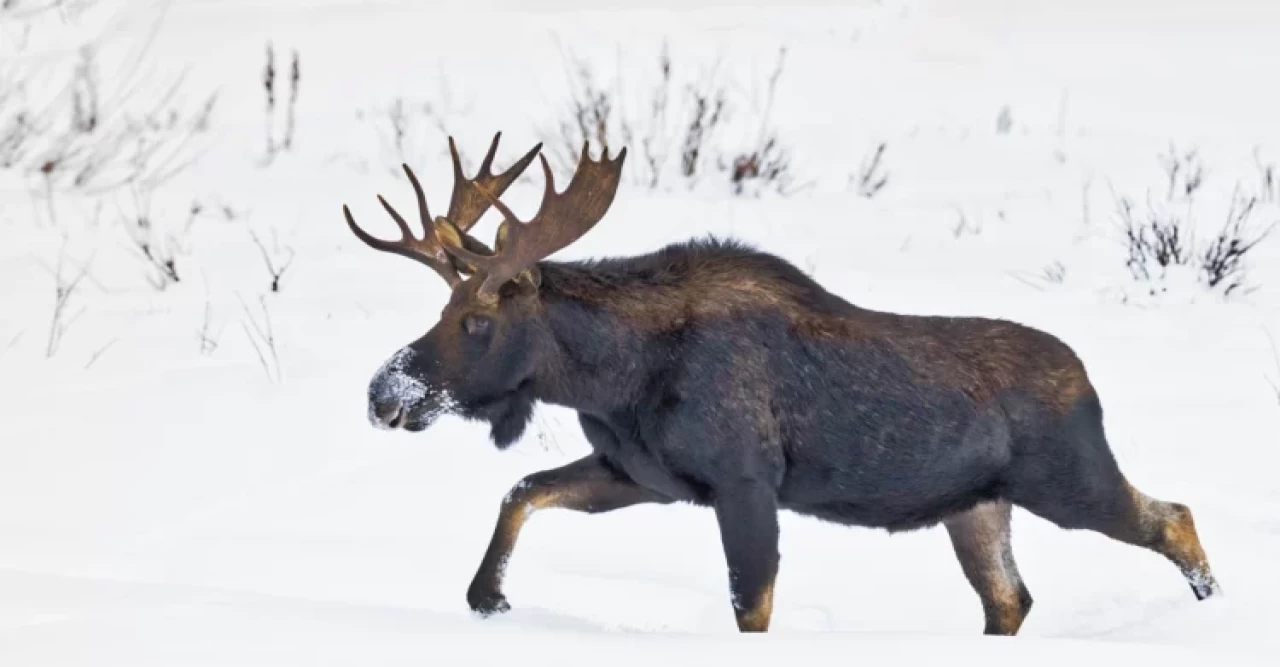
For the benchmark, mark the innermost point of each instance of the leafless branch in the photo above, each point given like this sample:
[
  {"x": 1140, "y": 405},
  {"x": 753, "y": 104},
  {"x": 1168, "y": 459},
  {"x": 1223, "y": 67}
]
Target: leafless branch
[
  {"x": 263, "y": 339},
  {"x": 870, "y": 177},
  {"x": 161, "y": 258},
  {"x": 269, "y": 86},
  {"x": 12, "y": 342},
  {"x": 93, "y": 359},
  {"x": 208, "y": 338},
  {"x": 64, "y": 289},
  {"x": 295, "y": 75},
  {"x": 274, "y": 266}
]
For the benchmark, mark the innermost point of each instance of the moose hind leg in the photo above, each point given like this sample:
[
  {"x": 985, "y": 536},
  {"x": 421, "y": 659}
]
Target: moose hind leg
[
  {"x": 1070, "y": 477},
  {"x": 1127, "y": 515},
  {"x": 980, "y": 537},
  {"x": 586, "y": 485}
]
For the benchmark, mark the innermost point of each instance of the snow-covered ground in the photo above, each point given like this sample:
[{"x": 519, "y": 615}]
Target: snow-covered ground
[{"x": 164, "y": 504}]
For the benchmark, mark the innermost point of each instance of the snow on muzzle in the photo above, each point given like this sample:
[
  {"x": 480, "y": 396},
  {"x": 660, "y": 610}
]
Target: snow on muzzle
[{"x": 400, "y": 400}]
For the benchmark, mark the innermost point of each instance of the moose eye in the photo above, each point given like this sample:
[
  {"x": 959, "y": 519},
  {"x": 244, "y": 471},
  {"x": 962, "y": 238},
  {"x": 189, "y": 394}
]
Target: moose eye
[{"x": 475, "y": 324}]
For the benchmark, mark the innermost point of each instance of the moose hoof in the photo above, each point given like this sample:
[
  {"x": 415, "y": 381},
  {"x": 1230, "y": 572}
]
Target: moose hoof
[{"x": 486, "y": 604}]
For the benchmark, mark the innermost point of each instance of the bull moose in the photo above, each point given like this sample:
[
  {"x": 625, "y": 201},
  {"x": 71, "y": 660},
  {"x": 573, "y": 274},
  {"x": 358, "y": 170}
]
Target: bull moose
[{"x": 712, "y": 373}]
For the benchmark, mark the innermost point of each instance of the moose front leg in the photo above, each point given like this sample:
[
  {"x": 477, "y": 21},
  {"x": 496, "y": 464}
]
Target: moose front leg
[
  {"x": 748, "y": 518},
  {"x": 586, "y": 485}
]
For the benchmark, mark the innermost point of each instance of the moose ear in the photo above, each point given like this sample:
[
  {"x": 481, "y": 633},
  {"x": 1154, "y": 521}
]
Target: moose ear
[
  {"x": 447, "y": 234},
  {"x": 452, "y": 239},
  {"x": 532, "y": 276}
]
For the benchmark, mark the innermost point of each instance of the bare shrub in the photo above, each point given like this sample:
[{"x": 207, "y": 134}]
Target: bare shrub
[
  {"x": 1184, "y": 172},
  {"x": 766, "y": 165},
  {"x": 60, "y": 318},
  {"x": 1163, "y": 236},
  {"x": 269, "y": 87},
  {"x": 206, "y": 335},
  {"x": 1222, "y": 262},
  {"x": 295, "y": 77},
  {"x": 156, "y": 249},
  {"x": 262, "y": 337},
  {"x": 62, "y": 125},
  {"x": 964, "y": 226},
  {"x": 686, "y": 137},
  {"x": 1054, "y": 273},
  {"x": 1268, "y": 180},
  {"x": 871, "y": 176},
  {"x": 1156, "y": 241},
  {"x": 409, "y": 131},
  {"x": 277, "y": 260}
]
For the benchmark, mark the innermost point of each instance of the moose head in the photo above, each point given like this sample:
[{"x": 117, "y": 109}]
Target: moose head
[{"x": 479, "y": 360}]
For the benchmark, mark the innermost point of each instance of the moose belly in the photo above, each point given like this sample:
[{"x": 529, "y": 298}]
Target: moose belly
[
  {"x": 903, "y": 475},
  {"x": 638, "y": 462}
]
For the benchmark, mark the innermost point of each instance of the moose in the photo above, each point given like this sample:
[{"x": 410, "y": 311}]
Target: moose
[{"x": 712, "y": 373}]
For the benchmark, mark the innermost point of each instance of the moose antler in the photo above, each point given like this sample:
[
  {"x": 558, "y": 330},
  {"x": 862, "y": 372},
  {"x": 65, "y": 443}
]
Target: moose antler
[
  {"x": 470, "y": 200},
  {"x": 561, "y": 219}
]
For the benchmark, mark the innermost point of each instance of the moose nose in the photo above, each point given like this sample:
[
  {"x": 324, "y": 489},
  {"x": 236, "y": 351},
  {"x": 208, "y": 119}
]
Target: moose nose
[{"x": 388, "y": 413}]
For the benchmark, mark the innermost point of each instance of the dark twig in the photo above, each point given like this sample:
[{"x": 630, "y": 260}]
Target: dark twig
[{"x": 276, "y": 270}]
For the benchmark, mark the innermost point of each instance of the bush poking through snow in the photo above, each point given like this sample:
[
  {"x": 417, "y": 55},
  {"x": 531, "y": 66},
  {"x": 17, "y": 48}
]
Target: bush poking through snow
[
  {"x": 1050, "y": 274},
  {"x": 65, "y": 127},
  {"x": 269, "y": 77},
  {"x": 262, "y": 337},
  {"x": 871, "y": 176},
  {"x": 1162, "y": 239},
  {"x": 159, "y": 253},
  {"x": 1155, "y": 242},
  {"x": 1184, "y": 173},
  {"x": 1268, "y": 181},
  {"x": 278, "y": 260},
  {"x": 680, "y": 125},
  {"x": 1223, "y": 260},
  {"x": 409, "y": 131},
  {"x": 206, "y": 335},
  {"x": 65, "y": 287},
  {"x": 767, "y": 166}
]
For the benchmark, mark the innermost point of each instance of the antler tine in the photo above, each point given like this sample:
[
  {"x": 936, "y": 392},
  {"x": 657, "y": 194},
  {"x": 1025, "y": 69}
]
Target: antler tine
[
  {"x": 423, "y": 214},
  {"x": 470, "y": 200},
  {"x": 426, "y": 250},
  {"x": 562, "y": 219}
]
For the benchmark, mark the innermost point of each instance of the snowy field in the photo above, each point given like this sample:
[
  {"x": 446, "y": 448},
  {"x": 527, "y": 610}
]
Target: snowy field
[{"x": 187, "y": 474}]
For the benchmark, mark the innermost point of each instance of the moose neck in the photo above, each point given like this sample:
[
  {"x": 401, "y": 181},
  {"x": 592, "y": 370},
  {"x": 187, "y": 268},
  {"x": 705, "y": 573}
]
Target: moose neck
[{"x": 595, "y": 360}]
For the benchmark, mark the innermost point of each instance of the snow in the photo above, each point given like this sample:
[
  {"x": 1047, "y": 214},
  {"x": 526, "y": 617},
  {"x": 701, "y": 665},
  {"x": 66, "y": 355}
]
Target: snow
[{"x": 160, "y": 505}]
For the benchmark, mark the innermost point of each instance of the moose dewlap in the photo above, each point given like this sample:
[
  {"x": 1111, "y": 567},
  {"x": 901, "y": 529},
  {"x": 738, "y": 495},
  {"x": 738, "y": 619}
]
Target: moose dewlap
[{"x": 712, "y": 373}]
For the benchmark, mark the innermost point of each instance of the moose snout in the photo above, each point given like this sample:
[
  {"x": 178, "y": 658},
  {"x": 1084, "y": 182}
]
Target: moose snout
[
  {"x": 398, "y": 399},
  {"x": 387, "y": 413}
]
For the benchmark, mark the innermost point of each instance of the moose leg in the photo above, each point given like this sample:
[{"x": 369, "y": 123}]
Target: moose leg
[
  {"x": 586, "y": 485},
  {"x": 980, "y": 537},
  {"x": 748, "y": 518},
  {"x": 1166, "y": 528}
]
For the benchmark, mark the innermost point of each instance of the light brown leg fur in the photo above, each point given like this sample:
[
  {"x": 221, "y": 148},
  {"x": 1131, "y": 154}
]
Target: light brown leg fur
[
  {"x": 980, "y": 537},
  {"x": 1169, "y": 530}
]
